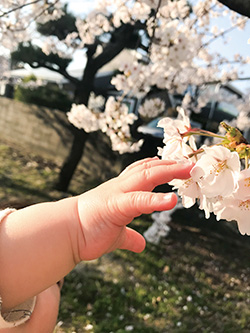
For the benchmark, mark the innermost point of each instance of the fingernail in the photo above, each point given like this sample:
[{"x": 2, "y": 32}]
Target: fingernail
[
  {"x": 168, "y": 196},
  {"x": 186, "y": 161}
]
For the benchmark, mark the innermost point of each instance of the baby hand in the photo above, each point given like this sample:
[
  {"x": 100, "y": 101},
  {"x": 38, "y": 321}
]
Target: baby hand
[{"x": 105, "y": 211}]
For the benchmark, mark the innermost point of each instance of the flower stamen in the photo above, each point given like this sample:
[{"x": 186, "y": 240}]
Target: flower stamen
[
  {"x": 219, "y": 167},
  {"x": 245, "y": 205},
  {"x": 188, "y": 182},
  {"x": 247, "y": 182}
]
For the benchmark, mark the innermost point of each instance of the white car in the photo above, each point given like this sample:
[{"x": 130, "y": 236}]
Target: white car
[{"x": 158, "y": 132}]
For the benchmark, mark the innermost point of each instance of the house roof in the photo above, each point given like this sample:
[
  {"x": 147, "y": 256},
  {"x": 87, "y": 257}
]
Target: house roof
[
  {"x": 76, "y": 71},
  {"x": 40, "y": 73}
]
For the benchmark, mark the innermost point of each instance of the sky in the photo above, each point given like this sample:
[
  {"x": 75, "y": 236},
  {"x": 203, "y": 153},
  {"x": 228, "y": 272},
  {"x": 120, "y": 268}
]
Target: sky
[
  {"x": 80, "y": 7},
  {"x": 237, "y": 43}
]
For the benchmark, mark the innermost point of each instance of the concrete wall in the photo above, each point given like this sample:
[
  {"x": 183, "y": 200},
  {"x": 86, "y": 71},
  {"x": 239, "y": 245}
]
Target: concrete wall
[{"x": 40, "y": 130}]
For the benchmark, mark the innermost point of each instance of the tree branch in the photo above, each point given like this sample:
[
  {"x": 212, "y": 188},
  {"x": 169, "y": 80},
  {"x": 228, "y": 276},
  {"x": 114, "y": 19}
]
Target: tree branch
[
  {"x": 114, "y": 47},
  {"x": 61, "y": 71},
  {"x": 223, "y": 33},
  {"x": 121, "y": 39},
  {"x": 18, "y": 8},
  {"x": 229, "y": 80},
  {"x": 33, "y": 19}
]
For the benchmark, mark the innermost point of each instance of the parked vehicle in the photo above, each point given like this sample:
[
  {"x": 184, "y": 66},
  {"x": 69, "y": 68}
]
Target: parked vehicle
[
  {"x": 152, "y": 128},
  {"x": 208, "y": 118}
]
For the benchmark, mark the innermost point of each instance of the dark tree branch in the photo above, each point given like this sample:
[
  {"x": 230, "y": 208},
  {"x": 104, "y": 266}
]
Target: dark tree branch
[
  {"x": 33, "y": 19},
  {"x": 124, "y": 37},
  {"x": 240, "y": 6},
  {"x": 61, "y": 71},
  {"x": 229, "y": 80},
  {"x": 18, "y": 8}
]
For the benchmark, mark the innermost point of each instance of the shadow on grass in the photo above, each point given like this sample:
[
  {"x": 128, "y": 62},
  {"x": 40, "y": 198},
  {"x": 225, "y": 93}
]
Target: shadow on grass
[{"x": 18, "y": 186}]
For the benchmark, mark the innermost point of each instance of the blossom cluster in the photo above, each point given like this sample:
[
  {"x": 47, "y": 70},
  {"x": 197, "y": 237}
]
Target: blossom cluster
[
  {"x": 135, "y": 79},
  {"x": 18, "y": 19},
  {"x": 151, "y": 108},
  {"x": 115, "y": 121},
  {"x": 220, "y": 181},
  {"x": 178, "y": 55},
  {"x": 160, "y": 227}
]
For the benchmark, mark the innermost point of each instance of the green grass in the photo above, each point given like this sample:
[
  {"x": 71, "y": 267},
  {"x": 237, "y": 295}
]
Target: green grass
[
  {"x": 24, "y": 178},
  {"x": 195, "y": 280},
  {"x": 191, "y": 282}
]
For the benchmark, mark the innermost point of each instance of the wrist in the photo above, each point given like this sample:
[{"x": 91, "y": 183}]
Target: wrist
[{"x": 70, "y": 215}]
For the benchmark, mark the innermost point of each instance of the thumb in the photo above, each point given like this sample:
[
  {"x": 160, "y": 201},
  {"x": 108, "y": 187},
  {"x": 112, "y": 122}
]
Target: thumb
[{"x": 133, "y": 241}]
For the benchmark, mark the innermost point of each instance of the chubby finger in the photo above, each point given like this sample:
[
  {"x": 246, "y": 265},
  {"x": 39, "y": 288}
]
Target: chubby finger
[
  {"x": 145, "y": 163},
  {"x": 154, "y": 173},
  {"x": 138, "y": 163},
  {"x": 134, "y": 204},
  {"x": 133, "y": 241}
]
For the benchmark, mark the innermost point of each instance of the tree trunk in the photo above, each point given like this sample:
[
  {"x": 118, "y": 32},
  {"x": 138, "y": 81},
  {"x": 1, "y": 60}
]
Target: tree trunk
[
  {"x": 70, "y": 165},
  {"x": 122, "y": 37},
  {"x": 82, "y": 94}
]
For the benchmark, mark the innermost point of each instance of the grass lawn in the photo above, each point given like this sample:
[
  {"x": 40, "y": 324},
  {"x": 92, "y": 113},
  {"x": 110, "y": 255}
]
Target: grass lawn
[{"x": 195, "y": 280}]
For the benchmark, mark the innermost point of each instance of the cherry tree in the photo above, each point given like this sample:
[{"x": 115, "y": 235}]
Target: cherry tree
[
  {"x": 55, "y": 51},
  {"x": 177, "y": 55},
  {"x": 171, "y": 39}
]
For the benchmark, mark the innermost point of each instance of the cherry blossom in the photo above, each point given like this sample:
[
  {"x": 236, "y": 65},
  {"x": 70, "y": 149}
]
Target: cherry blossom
[
  {"x": 151, "y": 108},
  {"x": 217, "y": 184},
  {"x": 217, "y": 171},
  {"x": 237, "y": 206},
  {"x": 18, "y": 19},
  {"x": 176, "y": 55},
  {"x": 160, "y": 226},
  {"x": 176, "y": 146},
  {"x": 94, "y": 25},
  {"x": 243, "y": 191},
  {"x": 135, "y": 80},
  {"x": 188, "y": 190},
  {"x": 175, "y": 149},
  {"x": 83, "y": 118},
  {"x": 114, "y": 121},
  {"x": 175, "y": 126}
]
